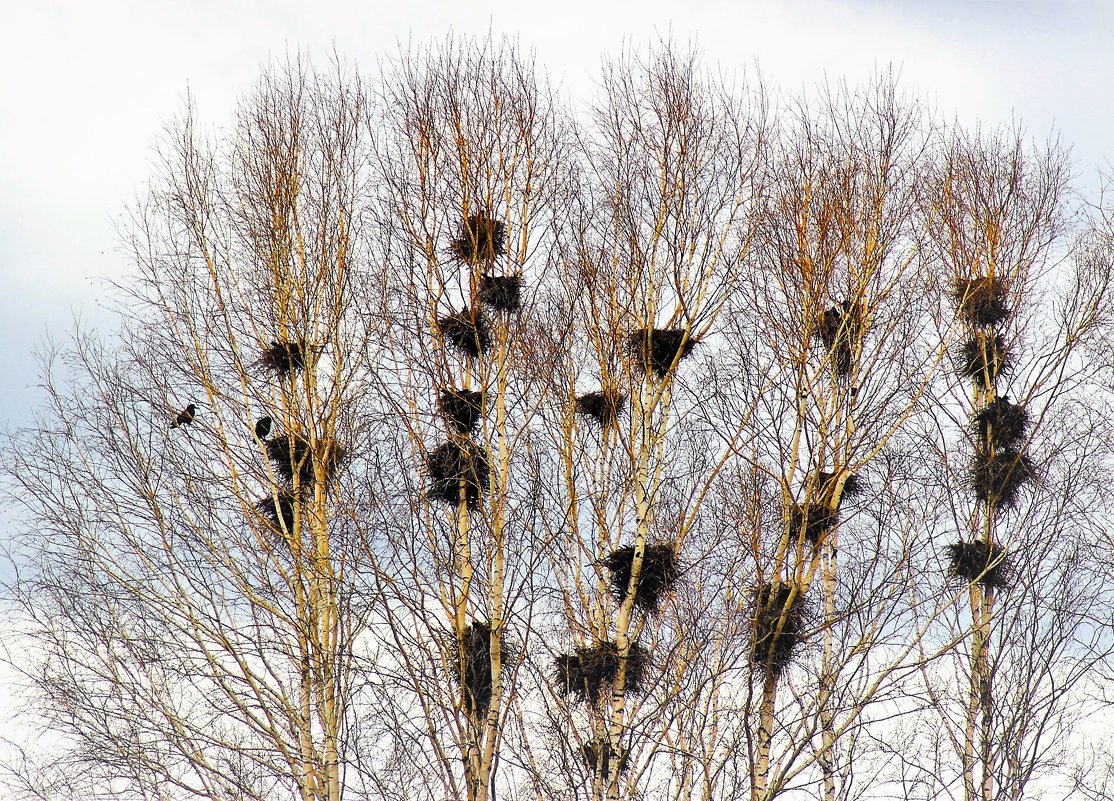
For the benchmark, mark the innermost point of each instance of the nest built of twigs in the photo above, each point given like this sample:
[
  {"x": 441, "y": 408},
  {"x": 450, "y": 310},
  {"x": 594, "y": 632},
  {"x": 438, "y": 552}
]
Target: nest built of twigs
[
  {"x": 292, "y": 455},
  {"x": 278, "y": 511},
  {"x": 1001, "y": 424},
  {"x": 466, "y": 331},
  {"x": 603, "y": 407},
  {"x": 826, "y": 483},
  {"x": 472, "y": 667},
  {"x": 813, "y": 521},
  {"x": 462, "y": 409},
  {"x": 481, "y": 239},
  {"x": 778, "y": 626},
  {"x": 981, "y": 301},
  {"x": 599, "y": 755},
  {"x": 284, "y": 358},
  {"x": 658, "y": 350},
  {"x": 838, "y": 328},
  {"x": 500, "y": 292},
  {"x": 983, "y": 358},
  {"x": 980, "y": 562},
  {"x": 659, "y": 572},
  {"x": 457, "y": 469},
  {"x": 587, "y": 673},
  {"x": 996, "y": 477}
]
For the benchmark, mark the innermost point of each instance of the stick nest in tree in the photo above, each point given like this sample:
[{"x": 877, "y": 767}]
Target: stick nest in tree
[
  {"x": 462, "y": 409},
  {"x": 814, "y": 521},
  {"x": 839, "y": 329},
  {"x": 983, "y": 358},
  {"x": 284, "y": 358},
  {"x": 827, "y": 482},
  {"x": 466, "y": 331},
  {"x": 996, "y": 478},
  {"x": 278, "y": 511},
  {"x": 981, "y": 301},
  {"x": 603, "y": 407},
  {"x": 457, "y": 467},
  {"x": 778, "y": 626},
  {"x": 481, "y": 239},
  {"x": 985, "y": 563},
  {"x": 501, "y": 292},
  {"x": 660, "y": 571},
  {"x": 598, "y": 756},
  {"x": 471, "y": 666},
  {"x": 658, "y": 350},
  {"x": 587, "y": 673},
  {"x": 1001, "y": 424},
  {"x": 292, "y": 455}
]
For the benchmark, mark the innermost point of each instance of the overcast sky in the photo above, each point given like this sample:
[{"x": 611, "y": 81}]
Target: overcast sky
[{"x": 88, "y": 86}]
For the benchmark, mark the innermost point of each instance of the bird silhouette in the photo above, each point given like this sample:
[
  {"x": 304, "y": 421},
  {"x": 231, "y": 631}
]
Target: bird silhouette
[
  {"x": 185, "y": 416},
  {"x": 262, "y": 427}
]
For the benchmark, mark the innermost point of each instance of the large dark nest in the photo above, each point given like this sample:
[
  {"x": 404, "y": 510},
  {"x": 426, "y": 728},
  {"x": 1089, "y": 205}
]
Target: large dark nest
[
  {"x": 500, "y": 292},
  {"x": 292, "y": 456},
  {"x": 278, "y": 511},
  {"x": 778, "y": 626},
  {"x": 826, "y": 483},
  {"x": 814, "y": 521},
  {"x": 481, "y": 239},
  {"x": 985, "y": 563},
  {"x": 1001, "y": 424},
  {"x": 587, "y": 673},
  {"x": 466, "y": 331},
  {"x": 457, "y": 467},
  {"x": 285, "y": 357},
  {"x": 981, "y": 301},
  {"x": 997, "y": 477},
  {"x": 603, "y": 407},
  {"x": 463, "y": 409},
  {"x": 472, "y": 667},
  {"x": 598, "y": 756},
  {"x": 983, "y": 358},
  {"x": 659, "y": 572},
  {"x": 838, "y": 328},
  {"x": 659, "y": 349}
]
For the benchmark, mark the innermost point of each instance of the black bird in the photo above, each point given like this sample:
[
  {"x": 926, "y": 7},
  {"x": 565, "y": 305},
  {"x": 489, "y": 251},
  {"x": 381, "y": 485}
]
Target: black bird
[
  {"x": 185, "y": 416},
  {"x": 262, "y": 427}
]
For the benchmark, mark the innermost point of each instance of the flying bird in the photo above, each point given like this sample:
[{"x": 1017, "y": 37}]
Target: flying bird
[
  {"x": 185, "y": 416},
  {"x": 262, "y": 427}
]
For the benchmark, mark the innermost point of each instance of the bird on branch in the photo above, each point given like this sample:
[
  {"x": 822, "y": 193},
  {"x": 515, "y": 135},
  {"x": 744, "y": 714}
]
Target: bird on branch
[
  {"x": 185, "y": 416},
  {"x": 262, "y": 427}
]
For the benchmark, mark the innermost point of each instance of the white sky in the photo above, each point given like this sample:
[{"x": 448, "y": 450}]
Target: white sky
[{"x": 88, "y": 86}]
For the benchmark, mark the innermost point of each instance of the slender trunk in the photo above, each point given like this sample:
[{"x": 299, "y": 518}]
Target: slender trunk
[
  {"x": 827, "y": 674},
  {"x": 760, "y": 784}
]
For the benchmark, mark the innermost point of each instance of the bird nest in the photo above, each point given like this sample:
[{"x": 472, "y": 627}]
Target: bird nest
[
  {"x": 778, "y": 623},
  {"x": 471, "y": 666},
  {"x": 981, "y": 301},
  {"x": 586, "y": 674},
  {"x": 983, "y": 358},
  {"x": 481, "y": 239},
  {"x": 659, "y": 350},
  {"x": 457, "y": 469},
  {"x": 838, "y": 329},
  {"x": 603, "y": 407},
  {"x": 462, "y": 409},
  {"x": 1001, "y": 424},
  {"x": 599, "y": 756},
  {"x": 826, "y": 483},
  {"x": 278, "y": 512},
  {"x": 657, "y": 575},
  {"x": 500, "y": 292},
  {"x": 293, "y": 455},
  {"x": 997, "y": 476},
  {"x": 985, "y": 563},
  {"x": 812, "y": 521},
  {"x": 467, "y": 331},
  {"x": 284, "y": 358}
]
